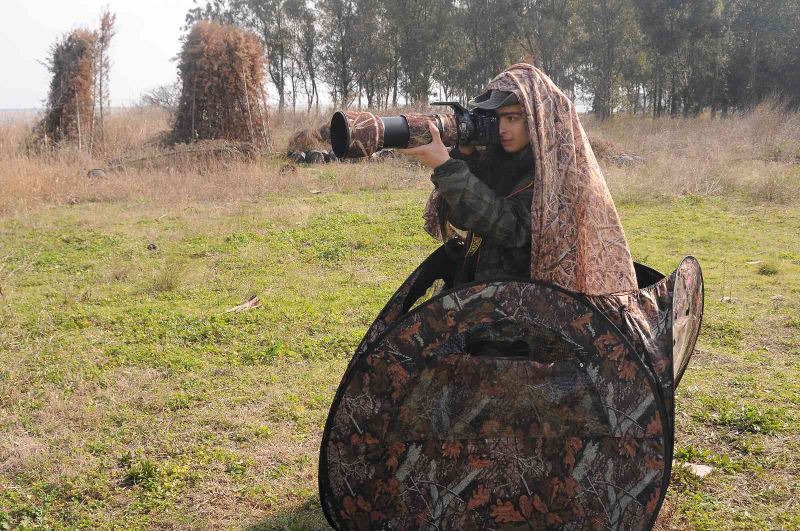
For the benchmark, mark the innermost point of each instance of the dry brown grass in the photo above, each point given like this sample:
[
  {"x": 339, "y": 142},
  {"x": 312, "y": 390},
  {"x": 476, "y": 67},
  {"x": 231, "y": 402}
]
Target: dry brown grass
[
  {"x": 134, "y": 139},
  {"x": 756, "y": 155}
]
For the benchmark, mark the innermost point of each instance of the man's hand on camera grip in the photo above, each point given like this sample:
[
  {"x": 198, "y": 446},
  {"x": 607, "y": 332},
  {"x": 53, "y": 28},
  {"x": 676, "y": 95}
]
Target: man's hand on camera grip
[{"x": 433, "y": 154}]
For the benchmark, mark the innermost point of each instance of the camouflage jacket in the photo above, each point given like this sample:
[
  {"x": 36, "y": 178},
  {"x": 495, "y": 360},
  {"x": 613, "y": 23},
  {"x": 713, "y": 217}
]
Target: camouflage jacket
[{"x": 489, "y": 196}]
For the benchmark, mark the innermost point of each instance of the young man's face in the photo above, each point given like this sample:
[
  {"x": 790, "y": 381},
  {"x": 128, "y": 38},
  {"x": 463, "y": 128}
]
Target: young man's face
[{"x": 513, "y": 128}]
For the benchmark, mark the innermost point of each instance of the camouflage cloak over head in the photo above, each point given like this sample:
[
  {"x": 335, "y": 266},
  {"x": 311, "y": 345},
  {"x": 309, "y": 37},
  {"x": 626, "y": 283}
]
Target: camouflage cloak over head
[{"x": 577, "y": 241}]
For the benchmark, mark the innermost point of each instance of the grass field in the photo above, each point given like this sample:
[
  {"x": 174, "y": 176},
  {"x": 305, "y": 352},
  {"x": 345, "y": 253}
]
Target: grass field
[{"x": 129, "y": 398}]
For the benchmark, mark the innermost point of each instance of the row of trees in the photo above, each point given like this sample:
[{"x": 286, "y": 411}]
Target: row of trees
[{"x": 657, "y": 56}]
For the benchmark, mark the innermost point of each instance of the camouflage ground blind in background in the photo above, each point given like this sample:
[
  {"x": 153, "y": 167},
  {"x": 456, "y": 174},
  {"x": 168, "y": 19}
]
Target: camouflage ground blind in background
[{"x": 510, "y": 405}]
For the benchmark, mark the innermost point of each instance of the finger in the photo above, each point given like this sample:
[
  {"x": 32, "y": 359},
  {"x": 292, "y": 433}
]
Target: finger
[{"x": 434, "y": 131}]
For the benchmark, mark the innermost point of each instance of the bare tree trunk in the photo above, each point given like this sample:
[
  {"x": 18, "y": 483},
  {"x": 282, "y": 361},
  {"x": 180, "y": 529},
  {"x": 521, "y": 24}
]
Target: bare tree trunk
[
  {"x": 264, "y": 110},
  {"x": 194, "y": 106},
  {"x": 101, "y": 74},
  {"x": 78, "y": 118},
  {"x": 251, "y": 130},
  {"x": 396, "y": 75},
  {"x": 97, "y": 80}
]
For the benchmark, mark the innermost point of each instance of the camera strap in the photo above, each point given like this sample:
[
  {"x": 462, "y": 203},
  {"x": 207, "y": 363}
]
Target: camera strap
[{"x": 466, "y": 272}]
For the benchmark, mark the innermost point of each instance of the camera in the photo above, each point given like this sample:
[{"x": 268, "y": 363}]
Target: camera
[{"x": 357, "y": 134}]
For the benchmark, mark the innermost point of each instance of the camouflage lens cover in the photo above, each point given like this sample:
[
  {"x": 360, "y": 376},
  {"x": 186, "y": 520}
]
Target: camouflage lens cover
[
  {"x": 419, "y": 134},
  {"x": 360, "y": 134},
  {"x": 356, "y": 134}
]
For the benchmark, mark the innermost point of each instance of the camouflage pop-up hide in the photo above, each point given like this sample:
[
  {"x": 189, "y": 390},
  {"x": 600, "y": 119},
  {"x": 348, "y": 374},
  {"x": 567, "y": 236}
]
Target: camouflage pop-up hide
[{"x": 519, "y": 404}]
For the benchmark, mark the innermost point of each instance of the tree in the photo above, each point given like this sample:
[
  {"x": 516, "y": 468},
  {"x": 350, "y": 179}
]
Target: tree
[
  {"x": 491, "y": 29},
  {"x": 270, "y": 19},
  {"x": 338, "y": 48},
  {"x": 549, "y": 29},
  {"x": 764, "y": 48},
  {"x": 304, "y": 47},
  {"x": 663, "y": 56},
  {"x": 680, "y": 33},
  {"x": 605, "y": 36},
  {"x": 416, "y": 26},
  {"x": 164, "y": 96},
  {"x": 216, "y": 10},
  {"x": 102, "y": 98}
]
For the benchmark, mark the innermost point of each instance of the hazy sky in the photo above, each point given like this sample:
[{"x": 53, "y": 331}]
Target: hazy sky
[{"x": 147, "y": 38}]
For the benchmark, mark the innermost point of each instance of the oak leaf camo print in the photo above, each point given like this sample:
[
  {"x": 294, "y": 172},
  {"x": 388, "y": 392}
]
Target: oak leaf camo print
[{"x": 510, "y": 405}]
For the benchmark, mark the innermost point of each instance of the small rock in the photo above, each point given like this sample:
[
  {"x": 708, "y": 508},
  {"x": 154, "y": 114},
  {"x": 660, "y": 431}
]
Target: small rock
[
  {"x": 754, "y": 262},
  {"x": 623, "y": 159},
  {"x": 315, "y": 192},
  {"x": 151, "y": 246},
  {"x": 315, "y": 157},
  {"x": 700, "y": 471},
  {"x": 96, "y": 173},
  {"x": 251, "y": 303},
  {"x": 777, "y": 298},
  {"x": 730, "y": 300},
  {"x": 297, "y": 156},
  {"x": 384, "y": 154}
]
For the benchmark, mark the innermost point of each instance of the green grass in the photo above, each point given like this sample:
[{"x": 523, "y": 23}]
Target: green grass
[{"x": 129, "y": 398}]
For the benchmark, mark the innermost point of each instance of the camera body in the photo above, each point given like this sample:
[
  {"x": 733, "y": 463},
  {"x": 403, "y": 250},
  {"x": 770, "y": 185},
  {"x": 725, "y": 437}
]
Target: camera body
[{"x": 478, "y": 127}]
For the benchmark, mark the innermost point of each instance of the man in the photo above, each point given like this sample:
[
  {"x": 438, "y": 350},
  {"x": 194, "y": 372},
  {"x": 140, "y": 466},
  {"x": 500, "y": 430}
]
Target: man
[
  {"x": 576, "y": 239},
  {"x": 487, "y": 195}
]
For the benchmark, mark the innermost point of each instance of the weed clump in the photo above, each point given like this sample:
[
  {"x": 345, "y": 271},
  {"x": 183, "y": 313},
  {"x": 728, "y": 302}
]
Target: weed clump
[
  {"x": 169, "y": 277},
  {"x": 768, "y": 269},
  {"x": 156, "y": 479},
  {"x": 744, "y": 419}
]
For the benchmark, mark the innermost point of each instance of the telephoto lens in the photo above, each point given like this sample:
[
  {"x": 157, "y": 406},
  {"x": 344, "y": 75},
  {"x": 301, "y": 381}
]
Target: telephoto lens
[{"x": 356, "y": 134}]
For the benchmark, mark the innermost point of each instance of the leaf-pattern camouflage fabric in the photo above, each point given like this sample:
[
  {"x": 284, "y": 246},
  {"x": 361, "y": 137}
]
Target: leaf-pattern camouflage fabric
[
  {"x": 366, "y": 134},
  {"x": 367, "y": 129},
  {"x": 662, "y": 320},
  {"x": 509, "y": 405},
  {"x": 577, "y": 241},
  {"x": 419, "y": 134},
  {"x": 687, "y": 313}
]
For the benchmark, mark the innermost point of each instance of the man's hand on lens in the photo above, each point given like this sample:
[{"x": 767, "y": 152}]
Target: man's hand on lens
[{"x": 431, "y": 155}]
